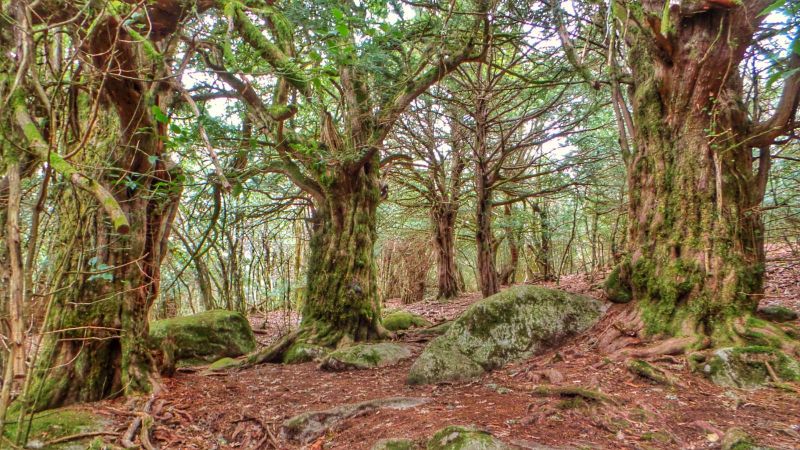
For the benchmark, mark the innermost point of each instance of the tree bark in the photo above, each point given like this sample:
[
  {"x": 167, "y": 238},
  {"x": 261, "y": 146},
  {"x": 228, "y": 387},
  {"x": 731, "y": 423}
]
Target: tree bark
[
  {"x": 695, "y": 235},
  {"x": 342, "y": 303},
  {"x": 443, "y": 219},
  {"x": 484, "y": 237}
]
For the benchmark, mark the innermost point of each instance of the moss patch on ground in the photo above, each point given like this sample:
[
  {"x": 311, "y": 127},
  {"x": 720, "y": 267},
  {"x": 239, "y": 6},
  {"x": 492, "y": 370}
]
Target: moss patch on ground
[
  {"x": 403, "y": 320},
  {"x": 508, "y": 326},
  {"x": 464, "y": 438},
  {"x": 205, "y": 337},
  {"x": 52, "y": 424}
]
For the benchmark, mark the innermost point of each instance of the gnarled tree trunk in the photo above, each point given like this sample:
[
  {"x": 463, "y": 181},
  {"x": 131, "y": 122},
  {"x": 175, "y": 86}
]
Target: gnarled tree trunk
[
  {"x": 342, "y": 303},
  {"x": 695, "y": 260}
]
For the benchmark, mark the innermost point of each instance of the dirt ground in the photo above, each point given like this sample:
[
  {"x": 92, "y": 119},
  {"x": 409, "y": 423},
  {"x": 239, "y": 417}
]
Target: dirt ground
[{"x": 244, "y": 409}]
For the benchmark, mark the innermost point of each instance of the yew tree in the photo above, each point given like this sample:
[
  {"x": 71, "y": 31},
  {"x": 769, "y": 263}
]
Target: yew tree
[
  {"x": 324, "y": 83},
  {"x": 697, "y": 124}
]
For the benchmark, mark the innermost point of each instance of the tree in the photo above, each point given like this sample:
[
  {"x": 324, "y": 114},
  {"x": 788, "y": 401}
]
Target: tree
[
  {"x": 695, "y": 238},
  {"x": 436, "y": 171},
  {"x": 113, "y": 231},
  {"x": 330, "y": 110},
  {"x": 509, "y": 118}
]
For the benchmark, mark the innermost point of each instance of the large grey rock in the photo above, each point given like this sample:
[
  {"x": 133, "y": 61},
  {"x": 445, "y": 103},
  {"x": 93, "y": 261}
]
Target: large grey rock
[{"x": 508, "y": 326}]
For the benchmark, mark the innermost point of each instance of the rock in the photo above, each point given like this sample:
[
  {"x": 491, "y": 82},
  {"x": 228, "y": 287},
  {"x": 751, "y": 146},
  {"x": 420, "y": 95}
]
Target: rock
[
  {"x": 747, "y": 367},
  {"x": 737, "y": 439},
  {"x": 365, "y": 356},
  {"x": 301, "y": 352},
  {"x": 308, "y": 426},
  {"x": 403, "y": 320},
  {"x": 508, "y": 326},
  {"x": 776, "y": 313},
  {"x": 205, "y": 337},
  {"x": 464, "y": 438},
  {"x": 395, "y": 444}
]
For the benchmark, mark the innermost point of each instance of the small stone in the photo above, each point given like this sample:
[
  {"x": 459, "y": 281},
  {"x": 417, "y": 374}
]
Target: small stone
[
  {"x": 712, "y": 437},
  {"x": 554, "y": 376}
]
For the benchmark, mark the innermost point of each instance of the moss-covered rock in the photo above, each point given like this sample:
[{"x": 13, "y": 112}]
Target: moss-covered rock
[
  {"x": 301, "y": 352},
  {"x": 511, "y": 325},
  {"x": 403, "y": 320},
  {"x": 776, "y": 313},
  {"x": 737, "y": 439},
  {"x": 395, "y": 444},
  {"x": 749, "y": 367},
  {"x": 464, "y": 438},
  {"x": 646, "y": 370},
  {"x": 365, "y": 356},
  {"x": 205, "y": 337},
  {"x": 224, "y": 363},
  {"x": 52, "y": 424}
]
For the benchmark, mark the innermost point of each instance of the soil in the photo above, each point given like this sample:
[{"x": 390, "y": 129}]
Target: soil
[{"x": 244, "y": 409}]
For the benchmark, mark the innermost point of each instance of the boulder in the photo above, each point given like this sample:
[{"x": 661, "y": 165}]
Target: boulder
[
  {"x": 365, "y": 356},
  {"x": 403, "y": 320},
  {"x": 204, "y": 337},
  {"x": 465, "y": 438},
  {"x": 508, "y": 326},
  {"x": 746, "y": 367},
  {"x": 776, "y": 313},
  {"x": 306, "y": 427}
]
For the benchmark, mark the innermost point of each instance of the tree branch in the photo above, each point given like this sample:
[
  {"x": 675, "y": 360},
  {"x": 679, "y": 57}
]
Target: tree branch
[{"x": 765, "y": 133}]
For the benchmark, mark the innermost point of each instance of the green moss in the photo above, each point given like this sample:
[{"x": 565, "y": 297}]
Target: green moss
[
  {"x": 616, "y": 289},
  {"x": 366, "y": 356},
  {"x": 464, "y": 438},
  {"x": 737, "y": 439},
  {"x": 511, "y": 325},
  {"x": 301, "y": 352},
  {"x": 646, "y": 370},
  {"x": 662, "y": 437},
  {"x": 776, "y": 313},
  {"x": 224, "y": 363},
  {"x": 403, "y": 320},
  {"x": 205, "y": 337},
  {"x": 55, "y": 423},
  {"x": 570, "y": 392},
  {"x": 395, "y": 444},
  {"x": 746, "y": 367}
]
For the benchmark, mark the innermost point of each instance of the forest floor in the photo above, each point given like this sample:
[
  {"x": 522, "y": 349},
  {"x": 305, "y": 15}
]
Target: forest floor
[{"x": 244, "y": 409}]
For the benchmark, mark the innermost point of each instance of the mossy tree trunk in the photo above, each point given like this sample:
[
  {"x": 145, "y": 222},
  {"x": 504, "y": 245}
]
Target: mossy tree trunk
[
  {"x": 98, "y": 343},
  {"x": 695, "y": 260},
  {"x": 341, "y": 302}
]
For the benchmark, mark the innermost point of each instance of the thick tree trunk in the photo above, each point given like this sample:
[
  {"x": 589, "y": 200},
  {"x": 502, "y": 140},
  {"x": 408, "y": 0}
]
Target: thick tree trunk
[
  {"x": 342, "y": 303},
  {"x": 484, "y": 238},
  {"x": 695, "y": 233},
  {"x": 443, "y": 219},
  {"x": 98, "y": 346}
]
